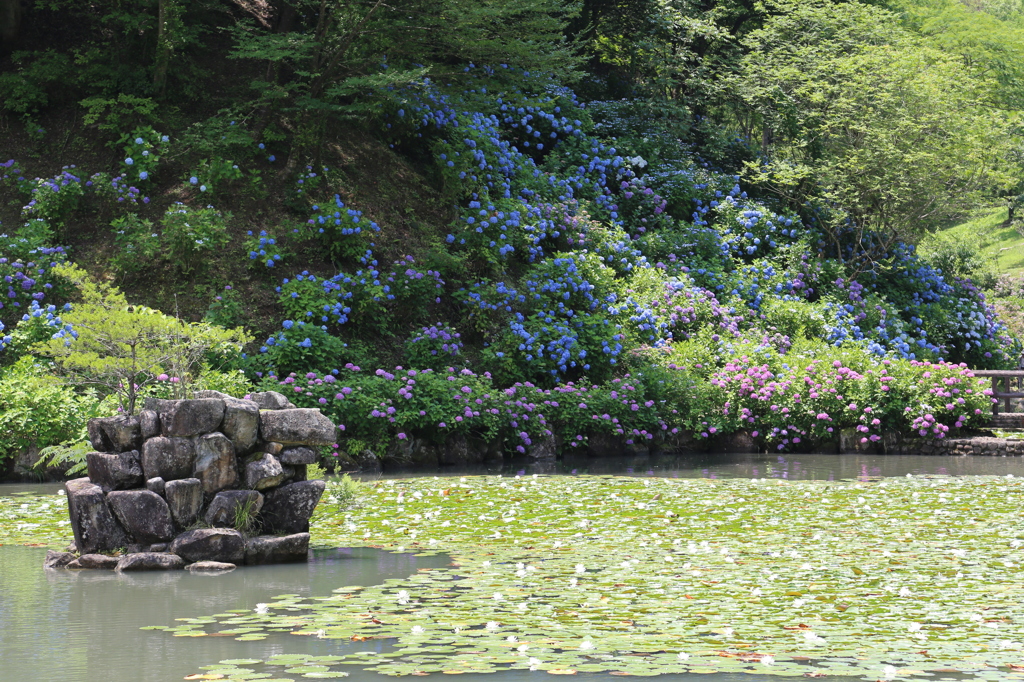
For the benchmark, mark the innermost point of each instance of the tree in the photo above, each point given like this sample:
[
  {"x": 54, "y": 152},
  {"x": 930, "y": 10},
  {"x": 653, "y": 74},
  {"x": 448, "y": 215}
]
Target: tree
[
  {"x": 324, "y": 61},
  {"x": 892, "y": 135},
  {"x": 121, "y": 348}
]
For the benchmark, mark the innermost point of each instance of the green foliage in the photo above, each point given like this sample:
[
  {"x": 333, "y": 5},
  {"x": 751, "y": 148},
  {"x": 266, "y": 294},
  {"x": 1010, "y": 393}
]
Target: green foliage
[
  {"x": 121, "y": 349},
  {"x": 959, "y": 255},
  {"x": 38, "y": 409},
  {"x": 190, "y": 234},
  {"x": 138, "y": 244},
  {"x": 858, "y": 113},
  {"x": 113, "y": 115},
  {"x": 29, "y": 89}
]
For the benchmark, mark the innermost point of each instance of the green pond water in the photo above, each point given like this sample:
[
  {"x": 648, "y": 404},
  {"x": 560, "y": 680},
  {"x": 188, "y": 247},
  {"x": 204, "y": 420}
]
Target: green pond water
[{"x": 718, "y": 568}]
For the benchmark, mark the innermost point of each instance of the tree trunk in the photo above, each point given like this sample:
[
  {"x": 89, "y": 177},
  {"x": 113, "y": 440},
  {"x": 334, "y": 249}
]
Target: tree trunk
[{"x": 10, "y": 23}]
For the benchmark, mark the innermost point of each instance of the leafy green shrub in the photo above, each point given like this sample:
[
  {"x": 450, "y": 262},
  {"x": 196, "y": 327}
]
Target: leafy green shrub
[
  {"x": 191, "y": 233},
  {"x": 138, "y": 244},
  {"x": 38, "y": 409}
]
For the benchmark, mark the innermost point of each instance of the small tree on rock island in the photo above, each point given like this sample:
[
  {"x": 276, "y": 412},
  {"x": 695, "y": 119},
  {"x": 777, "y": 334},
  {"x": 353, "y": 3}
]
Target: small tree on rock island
[{"x": 121, "y": 348}]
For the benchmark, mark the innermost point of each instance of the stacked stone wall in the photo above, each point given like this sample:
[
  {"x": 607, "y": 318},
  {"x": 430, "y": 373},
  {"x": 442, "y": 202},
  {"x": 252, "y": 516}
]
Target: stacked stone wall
[{"x": 206, "y": 483}]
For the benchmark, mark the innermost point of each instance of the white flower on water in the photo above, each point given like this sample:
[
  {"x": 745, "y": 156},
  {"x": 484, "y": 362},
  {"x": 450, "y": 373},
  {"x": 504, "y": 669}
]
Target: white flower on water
[
  {"x": 767, "y": 659},
  {"x": 403, "y": 597},
  {"x": 534, "y": 663},
  {"x": 905, "y": 592},
  {"x": 522, "y": 648},
  {"x": 486, "y": 564},
  {"x": 586, "y": 645},
  {"x": 522, "y": 606},
  {"x": 261, "y": 608},
  {"x": 756, "y": 592},
  {"x": 498, "y": 596},
  {"x": 797, "y": 603},
  {"x": 511, "y": 639},
  {"x": 727, "y": 631},
  {"x": 573, "y": 582},
  {"x": 320, "y": 634},
  {"x": 456, "y": 630},
  {"x": 417, "y": 630},
  {"x": 580, "y": 569},
  {"x": 914, "y": 627},
  {"x": 813, "y": 638},
  {"x": 492, "y": 625},
  {"x": 889, "y": 672},
  {"x": 683, "y": 656}
]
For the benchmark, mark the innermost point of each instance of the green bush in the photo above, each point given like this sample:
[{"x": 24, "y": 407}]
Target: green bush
[{"x": 38, "y": 409}]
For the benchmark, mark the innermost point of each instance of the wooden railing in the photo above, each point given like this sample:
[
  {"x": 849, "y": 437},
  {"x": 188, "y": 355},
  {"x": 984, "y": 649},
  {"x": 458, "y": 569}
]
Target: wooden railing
[{"x": 1008, "y": 378}]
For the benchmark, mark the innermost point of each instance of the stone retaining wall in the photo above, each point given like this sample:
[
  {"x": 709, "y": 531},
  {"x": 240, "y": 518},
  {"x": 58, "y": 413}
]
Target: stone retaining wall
[{"x": 188, "y": 482}]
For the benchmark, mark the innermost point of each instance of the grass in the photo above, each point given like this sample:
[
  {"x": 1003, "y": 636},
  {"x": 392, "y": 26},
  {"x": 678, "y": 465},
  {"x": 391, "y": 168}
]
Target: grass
[{"x": 1001, "y": 245}]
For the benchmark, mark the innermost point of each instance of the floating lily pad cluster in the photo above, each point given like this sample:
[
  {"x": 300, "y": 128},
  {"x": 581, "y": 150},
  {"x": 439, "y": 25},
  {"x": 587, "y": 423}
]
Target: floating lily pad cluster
[{"x": 877, "y": 579}]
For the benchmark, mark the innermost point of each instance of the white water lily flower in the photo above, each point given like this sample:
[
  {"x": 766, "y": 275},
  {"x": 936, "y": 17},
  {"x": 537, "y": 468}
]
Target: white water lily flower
[
  {"x": 522, "y": 648},
  {"x": 511, "y": 639},
  {"x": 580, "y": 568},
  {"x": 727, "y": 631},
  {"x": 767, "y": 659},
  {"x": 573, "y": 582},
  {"x": 498, "y": 596},
  {"x": 492, "y": 625},
  {"x": 522, "y": 607},
  {"x": 905, "y": 592},
  {"x": 417, "y": 630},
  {"x": 683, "y": 656},
  {"x": 486, "y": 564},
  {"x": 456, "y": 630},
  {"x": 669, "y": 557},
  {"x": 797, "y": 603},
  {"x": 261, "y": 608},
  {"x": 756, "y": 592},
  {"x": 889, "y": 672},
  {"x": 534, "y": 663},
  {"x": 586, "y": 645},
  {"x": 520, "y": 566},
  {"x": 914, "y": 627},
  {"x": 813, "y": 638}
]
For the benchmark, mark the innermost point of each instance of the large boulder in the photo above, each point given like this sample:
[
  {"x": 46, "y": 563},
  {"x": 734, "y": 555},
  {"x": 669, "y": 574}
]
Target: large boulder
[
  {"x": 241, "y": 420},
  {"x": 115, "y": 434},
  {"x": 234, "y": 509},
  {"x": 98, "y": 561},
  {"x": 264, "y": 472},
  {"x": 185, "y": 500},
  {"x": 210, "y": 567},
  {"x": 150, "y": 561},
  {"x": 149, "y": 422},
  {"x": 187, "y": 418},
  {"x": 210, "y": 544},
  {"x": 287, "y": 509},
  {"x": 144, "y": 514},
  {"x": 269, "y": 549},
  {"x": 298, "y": 456},
  {"x": 92, "y": 522},
  {"x": 168, "y": 458},
  {"x": 298, "y": 426},
  {"x": 215, "y": 463},
  {"x": 55, "y": 559},
  {"x": 271, "y": 400},
  {"x": 114, "y": 472},
  {"x": 542, "y": 449}
]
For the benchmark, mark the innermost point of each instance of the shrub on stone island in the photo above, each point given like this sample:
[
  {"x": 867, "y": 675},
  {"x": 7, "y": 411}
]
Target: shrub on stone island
[{"x": 119, "y": 348}]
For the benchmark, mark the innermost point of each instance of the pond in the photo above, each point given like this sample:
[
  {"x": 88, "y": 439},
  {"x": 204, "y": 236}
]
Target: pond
[{"x": 61, "y": 625}]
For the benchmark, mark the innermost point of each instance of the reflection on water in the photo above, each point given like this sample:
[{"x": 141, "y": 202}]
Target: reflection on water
[
  {"x": 67, "y": 626},
  {"x": 70, "y": 626},
  {"x": 806, "y": 467}
]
